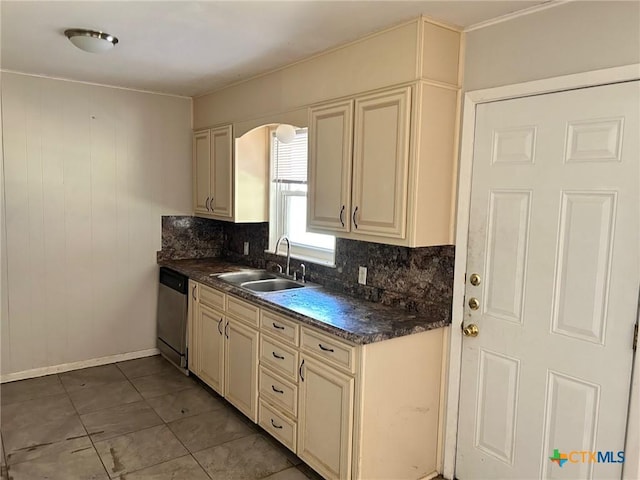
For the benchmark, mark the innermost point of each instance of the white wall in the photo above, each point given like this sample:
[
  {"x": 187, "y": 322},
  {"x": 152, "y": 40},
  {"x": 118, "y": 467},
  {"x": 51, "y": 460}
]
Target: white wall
[
  {"x": 88, "y": 172},
  {"x": 574, "y": 37}
]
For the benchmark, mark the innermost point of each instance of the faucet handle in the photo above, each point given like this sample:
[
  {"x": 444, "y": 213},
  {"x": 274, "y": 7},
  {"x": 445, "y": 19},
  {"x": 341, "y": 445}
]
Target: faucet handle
[{"x": 304, "y": 272}]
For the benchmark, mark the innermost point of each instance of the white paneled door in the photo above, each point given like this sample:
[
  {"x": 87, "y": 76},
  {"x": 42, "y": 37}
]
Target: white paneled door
[{"x": 552, "y": 285}]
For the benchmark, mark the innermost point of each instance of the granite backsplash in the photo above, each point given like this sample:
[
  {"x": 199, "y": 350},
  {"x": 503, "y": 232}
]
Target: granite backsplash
[{"x": 415, "y": 279}]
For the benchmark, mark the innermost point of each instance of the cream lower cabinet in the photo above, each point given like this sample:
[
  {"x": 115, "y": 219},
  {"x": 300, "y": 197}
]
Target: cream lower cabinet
[
  {"x": 241, "y": 368},
  {"x": 211, "y": 347},
  {"x": 223, "y": 352},
  {"x": 325, "y": 418},
  {"x": 349, "y": 411}
]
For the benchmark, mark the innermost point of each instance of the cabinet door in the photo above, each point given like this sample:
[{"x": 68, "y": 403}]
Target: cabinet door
[
  {"x": 192, "y": 349},
  {"x": 201, "y": 171},
  {"x": 325, "y": 419},
  {"x": 380, "y": 163},
  {"x": 329, "y": 171},
  {"x": 211, "y": 347},
  {"x": 222, "y": 172},
  {"x": 241, "y": 368}
]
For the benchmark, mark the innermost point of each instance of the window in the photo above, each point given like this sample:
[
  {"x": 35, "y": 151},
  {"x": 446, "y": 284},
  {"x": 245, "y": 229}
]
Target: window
[{"x": 288, "y": 203}]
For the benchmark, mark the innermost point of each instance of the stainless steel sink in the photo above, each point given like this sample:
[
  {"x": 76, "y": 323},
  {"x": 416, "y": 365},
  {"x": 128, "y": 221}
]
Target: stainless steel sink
[
  {"x": 271, "y": 285},
  {"x": 244, "y": 276}
]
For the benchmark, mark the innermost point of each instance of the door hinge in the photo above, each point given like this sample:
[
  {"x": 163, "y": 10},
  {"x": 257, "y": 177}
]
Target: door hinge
[{"x": 635, "y": 337}]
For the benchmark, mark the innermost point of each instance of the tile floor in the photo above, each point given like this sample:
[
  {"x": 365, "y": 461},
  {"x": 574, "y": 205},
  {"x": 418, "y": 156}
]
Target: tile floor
[{"x": 135, "y": 420}]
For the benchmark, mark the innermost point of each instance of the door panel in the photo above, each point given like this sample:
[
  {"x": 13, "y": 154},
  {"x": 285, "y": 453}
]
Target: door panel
[
  {"x": 325, "y": 416},
  {"x": 241, "y": 368},
  {"x": 330, "y": 150},
  {"x": 222, "y": 171},
  {"x": 211, "y": 347},
  {"x": 201, "y": 171},
  {"x": 380, "y": 163},
  {"x": 553, "y": 237}
]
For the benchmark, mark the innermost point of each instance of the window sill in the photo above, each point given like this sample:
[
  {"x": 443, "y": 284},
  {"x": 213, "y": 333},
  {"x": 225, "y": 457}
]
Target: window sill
[{"x": 303, "y": 258}]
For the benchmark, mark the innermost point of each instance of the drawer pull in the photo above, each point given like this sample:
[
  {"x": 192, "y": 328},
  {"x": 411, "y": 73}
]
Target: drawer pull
[
  {"x": 323, "y": 348},
  {"x": 276, "y": 390},
  {"x": 277, "y": 356},
  {"x": 193, "y": 292},
  {"x": 226, "y": 330},
  {"x": 279, "y": 327},
  {"x": 274, "y": 425}
]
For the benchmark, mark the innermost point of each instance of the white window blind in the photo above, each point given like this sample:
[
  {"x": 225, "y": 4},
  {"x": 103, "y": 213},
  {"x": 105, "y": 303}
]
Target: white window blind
[{"x": 291, "y": 159}]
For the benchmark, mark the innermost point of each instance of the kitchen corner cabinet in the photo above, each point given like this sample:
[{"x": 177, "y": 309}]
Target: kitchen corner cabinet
[
  {"x": 395, "y": 152},
  {"x": 230, "y": 175}
]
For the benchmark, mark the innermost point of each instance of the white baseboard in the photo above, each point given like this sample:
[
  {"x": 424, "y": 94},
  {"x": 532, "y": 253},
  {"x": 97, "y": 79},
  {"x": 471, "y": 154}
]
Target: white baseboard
[{"x": 65, "y": 367}]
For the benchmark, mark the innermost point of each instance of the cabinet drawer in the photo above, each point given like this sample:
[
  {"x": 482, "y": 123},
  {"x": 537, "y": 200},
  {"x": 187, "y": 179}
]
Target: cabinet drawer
[
  {"x": 281, "y": 393},
  {"x": 279, "y": 357},
  {"x": 329, "y": 348},
  {"x": 286, "y": 330},
  {"x": 212, "y": 298},
  {"x": 278, "y": 425},
  {"x": 243, "y": 310}
]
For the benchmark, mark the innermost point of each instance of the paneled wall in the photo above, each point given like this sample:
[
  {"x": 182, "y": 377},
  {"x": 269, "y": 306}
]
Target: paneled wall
[{"x": 88, "y": 173}]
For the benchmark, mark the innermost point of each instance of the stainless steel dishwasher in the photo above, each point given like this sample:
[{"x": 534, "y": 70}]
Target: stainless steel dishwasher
[{"x": 172, "y": 317}]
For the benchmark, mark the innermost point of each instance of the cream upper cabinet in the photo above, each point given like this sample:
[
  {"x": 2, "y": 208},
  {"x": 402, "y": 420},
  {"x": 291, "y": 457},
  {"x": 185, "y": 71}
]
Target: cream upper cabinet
[
  {"x": 241, "y": 368},
  {"x": 213, "y": 172},
  {"x": 380, "y": 163},
  {"x": 201, "y": 171},
  {"x": 358, "y": 165},
  {"x": 230, "y": 174},
  {"x": 330, "y": 151},
  {"x": 401, "y": 175},
  {"x": 221, "y": 203},
  {"x": 325, "y": 419}
]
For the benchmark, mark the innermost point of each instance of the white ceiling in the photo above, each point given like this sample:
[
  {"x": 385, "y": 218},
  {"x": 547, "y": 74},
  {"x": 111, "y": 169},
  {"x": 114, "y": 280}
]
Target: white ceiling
[{"x": 189, "y": 48}]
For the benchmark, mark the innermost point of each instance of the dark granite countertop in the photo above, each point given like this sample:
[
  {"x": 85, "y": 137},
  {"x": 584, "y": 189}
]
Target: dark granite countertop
[{"x": 355, "y": 320}]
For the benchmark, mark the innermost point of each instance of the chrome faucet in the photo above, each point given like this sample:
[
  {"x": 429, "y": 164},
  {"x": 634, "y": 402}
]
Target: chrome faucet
[{"x": 284, "y": 237}]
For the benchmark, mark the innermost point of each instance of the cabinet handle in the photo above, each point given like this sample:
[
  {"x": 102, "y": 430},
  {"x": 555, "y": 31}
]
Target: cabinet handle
[
  {"x": 300, "y": 370},
  {"x": 275, "y": 325},
  {"x": 219, "y": 325},
  {"x": 277, "y": 356},
  {"x": 206, "y": 204},
  {"x": 211, "y": 202},
  {"x": 276, "y": 390},
  {"x": 193, "y": 292},
  {"x": 274, "y": 425},
  {"x": 354, "y": 217},
  {"x": 342, "y": 215},
  {"x": 326, "y": 349},
  {"x": 226, "y": 330}
]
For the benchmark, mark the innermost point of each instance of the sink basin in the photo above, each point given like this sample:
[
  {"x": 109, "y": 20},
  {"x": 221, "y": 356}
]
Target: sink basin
[
  {"x": 244, "y": 276},
  {"x": 271, "y": 285}
]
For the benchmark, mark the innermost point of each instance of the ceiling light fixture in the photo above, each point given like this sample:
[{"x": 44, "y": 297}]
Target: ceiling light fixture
[
  {"x": 285, "y": 133},
  {"x": 91, "y": 40}
]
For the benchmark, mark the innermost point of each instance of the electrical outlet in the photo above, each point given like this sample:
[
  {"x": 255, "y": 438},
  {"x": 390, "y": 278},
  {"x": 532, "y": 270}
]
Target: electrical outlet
[
  {"x": 246, "y": 248},
  {"x": 362, "y": 275}
]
